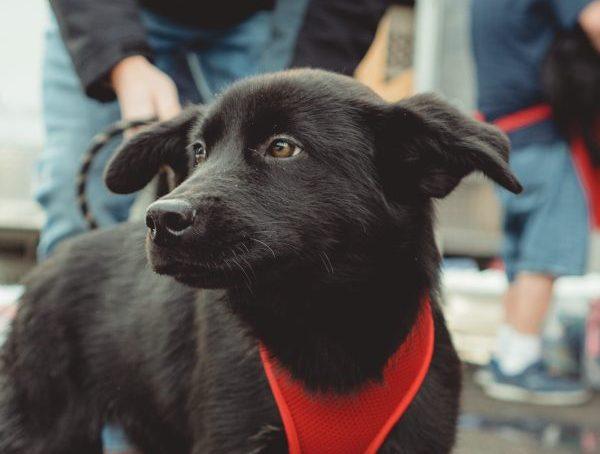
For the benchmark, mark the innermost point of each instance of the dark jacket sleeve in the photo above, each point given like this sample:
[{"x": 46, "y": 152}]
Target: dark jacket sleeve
[
  {"x": 98, "y": 34},
  {"x": 336, "y": 34}
]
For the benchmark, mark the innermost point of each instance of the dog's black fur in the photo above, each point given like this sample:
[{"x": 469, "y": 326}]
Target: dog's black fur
[
  {"x": 571, "y": 81},
  {"x": 324, "y": 257}
]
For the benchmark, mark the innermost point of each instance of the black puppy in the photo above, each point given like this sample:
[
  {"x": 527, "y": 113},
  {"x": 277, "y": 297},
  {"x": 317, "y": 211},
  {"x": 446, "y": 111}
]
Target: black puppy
[
  {"x": 305, "y": 214},
  {"x": 571, "y": 81}
]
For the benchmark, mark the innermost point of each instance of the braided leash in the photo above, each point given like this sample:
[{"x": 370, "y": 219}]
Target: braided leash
[{"x": 96, "y": 145}]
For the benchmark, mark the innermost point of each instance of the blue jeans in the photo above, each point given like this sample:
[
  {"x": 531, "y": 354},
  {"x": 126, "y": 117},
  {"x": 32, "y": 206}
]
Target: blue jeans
[{"x": 201, "y": 62}]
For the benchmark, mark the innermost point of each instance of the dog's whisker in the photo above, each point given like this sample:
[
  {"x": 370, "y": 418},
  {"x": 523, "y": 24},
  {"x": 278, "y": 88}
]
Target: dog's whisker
[
  {"x": 248, "y": 280},
  {"x": 265, "y": 245},
  {"x": 250, "y": 268},
  {"x": 291, "y": 246},
  {"x": 326, "y": 262}
]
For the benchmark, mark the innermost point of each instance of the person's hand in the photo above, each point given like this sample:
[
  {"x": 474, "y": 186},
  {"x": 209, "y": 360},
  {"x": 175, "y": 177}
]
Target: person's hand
[
  {"x": 143, "y": 90},
  {"x": 590, "y": 22}
]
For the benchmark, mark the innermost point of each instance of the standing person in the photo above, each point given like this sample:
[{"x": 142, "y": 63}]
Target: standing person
[{"x": 546, "y": 229}]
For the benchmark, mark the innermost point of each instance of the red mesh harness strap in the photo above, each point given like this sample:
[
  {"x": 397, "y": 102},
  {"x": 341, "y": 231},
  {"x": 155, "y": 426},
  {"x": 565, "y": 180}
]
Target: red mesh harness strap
[
  {"x": 589, "y": 176},
  {"x": 358, "y": 423}
]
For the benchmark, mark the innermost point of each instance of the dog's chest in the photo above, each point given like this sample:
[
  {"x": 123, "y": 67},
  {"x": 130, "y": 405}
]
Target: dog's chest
[
  {"x": 239, "y": 412},
  {"x": 234, "y": 410}
]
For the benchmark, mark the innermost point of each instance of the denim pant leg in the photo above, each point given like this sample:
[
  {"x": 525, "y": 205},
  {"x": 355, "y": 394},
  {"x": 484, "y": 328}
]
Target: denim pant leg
[
  {"x": 546, "y": 227},
  {"x": 286, "y": 19},
  {"x": 264, "y": 42},
  {"x": 71, "y": 120},
  {"x": 204, "y": 62},
  {"x": 230, "y": 55}
]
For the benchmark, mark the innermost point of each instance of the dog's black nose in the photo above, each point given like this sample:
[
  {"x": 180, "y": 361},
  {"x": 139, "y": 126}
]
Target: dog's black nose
[{"x": 168, "y": 220}]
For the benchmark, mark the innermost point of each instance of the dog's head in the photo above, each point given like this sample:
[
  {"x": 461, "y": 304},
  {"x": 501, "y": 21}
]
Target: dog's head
[{"x": 294, "y": 169}]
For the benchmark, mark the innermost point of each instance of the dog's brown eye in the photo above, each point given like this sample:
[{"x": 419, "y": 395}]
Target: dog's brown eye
[
  {"x": 199, "y": 152},
  {"x": 281, "y": 148}
]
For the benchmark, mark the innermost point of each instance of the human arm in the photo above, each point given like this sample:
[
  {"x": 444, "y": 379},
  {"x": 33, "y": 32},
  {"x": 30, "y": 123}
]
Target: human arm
[
  {"x": 98, "y": 35},
  {"x": 108, "y": 47}
]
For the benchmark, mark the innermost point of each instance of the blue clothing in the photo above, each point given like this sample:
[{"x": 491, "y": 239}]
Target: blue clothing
[
  {"x": 534, "y": 385},
  {"x": 201, "y": 62},
  {"x": 546, "y": 228},
  {"x": 511, "y": 39}
]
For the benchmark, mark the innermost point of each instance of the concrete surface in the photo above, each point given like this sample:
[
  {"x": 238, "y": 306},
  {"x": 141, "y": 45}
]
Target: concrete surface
[{"x": 551, "y": 429}]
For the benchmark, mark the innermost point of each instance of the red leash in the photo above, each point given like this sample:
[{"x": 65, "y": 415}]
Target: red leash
[
  {"x": 524, "y": 118},
  {"x": 358, "y": 423},
  {"x": 589, "y": 176}
]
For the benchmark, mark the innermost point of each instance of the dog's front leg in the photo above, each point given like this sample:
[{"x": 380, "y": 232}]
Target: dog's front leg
[{"x": 269, "y": 439}]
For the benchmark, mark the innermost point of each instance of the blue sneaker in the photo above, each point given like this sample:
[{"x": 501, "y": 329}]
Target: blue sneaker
[
  {"x": 485, "y": 374},
  {"x": 535, "y": 386}
]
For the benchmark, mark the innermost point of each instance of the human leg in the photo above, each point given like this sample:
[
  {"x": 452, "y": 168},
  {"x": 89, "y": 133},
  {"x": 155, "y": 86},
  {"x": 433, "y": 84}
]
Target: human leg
[
  {"x": 526, "y": 303},
  {"x": 263, "y": 42},
  {"x": 551, "y": 241},
  {"x": 529, "y": 302},
  {"x": 203, "y": 62},
  {"x": 547, "y": 232},
  {"x": 230, "y": 55},
  {"x": 71, "y": 120},
  {"x": 286, "y": 19}
]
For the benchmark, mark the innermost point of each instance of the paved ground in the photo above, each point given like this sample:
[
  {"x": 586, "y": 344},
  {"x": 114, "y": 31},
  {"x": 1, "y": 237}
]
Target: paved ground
[
  {"x": 525, "y": 429},
  {"x": 487, "y": 426}
]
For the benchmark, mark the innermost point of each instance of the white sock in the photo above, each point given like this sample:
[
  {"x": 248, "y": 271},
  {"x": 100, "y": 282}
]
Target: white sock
[
  {"x": 503, "y": 337},
  {"x": 522, "y": 351}
]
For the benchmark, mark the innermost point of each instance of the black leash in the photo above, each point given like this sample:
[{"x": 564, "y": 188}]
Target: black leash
[{"x": 96, "y": 145}]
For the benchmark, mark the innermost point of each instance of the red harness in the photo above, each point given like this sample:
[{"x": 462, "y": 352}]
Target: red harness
[
  {"x": 357, "y": 423},
  {"x": 588, "y": 174}
]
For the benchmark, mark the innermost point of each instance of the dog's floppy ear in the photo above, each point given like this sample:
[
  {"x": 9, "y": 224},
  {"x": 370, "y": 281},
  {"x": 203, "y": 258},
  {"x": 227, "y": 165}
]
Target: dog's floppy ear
[
  {"x": 139, "y": 159},
  {"x": 429, "y": 145}
]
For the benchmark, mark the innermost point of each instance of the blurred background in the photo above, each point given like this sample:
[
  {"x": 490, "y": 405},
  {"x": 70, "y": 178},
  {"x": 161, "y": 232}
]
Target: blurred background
[{"x": 422, "y": 48}]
